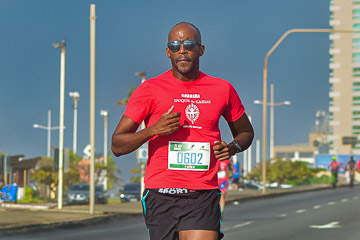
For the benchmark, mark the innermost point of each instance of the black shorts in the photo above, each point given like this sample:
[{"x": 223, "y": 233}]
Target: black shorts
[
  {"x": 168, "y": 213},
  {"x": 235, "y": 180}
]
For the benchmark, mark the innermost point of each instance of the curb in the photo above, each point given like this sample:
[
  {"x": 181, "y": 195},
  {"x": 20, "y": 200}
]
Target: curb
[{"x": 12, "y": 230}]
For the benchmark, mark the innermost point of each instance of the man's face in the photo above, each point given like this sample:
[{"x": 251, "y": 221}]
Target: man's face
[{"x": 184, "y": 62}]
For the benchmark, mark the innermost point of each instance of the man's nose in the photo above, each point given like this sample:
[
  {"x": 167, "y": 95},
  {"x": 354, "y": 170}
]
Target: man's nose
[{"x": 182, "y": 49}]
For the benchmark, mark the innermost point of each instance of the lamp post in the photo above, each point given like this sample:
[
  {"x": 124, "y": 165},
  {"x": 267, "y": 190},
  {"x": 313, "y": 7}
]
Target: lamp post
[
  {"x": 272, "y": 105},
  {"x": 48, "y": 128},
  {"x": 265, "y": 85},
  {"x": 75, "y": 96},
  {"x": 142, "y": 166},
  {"x": 92, "y": 105},
  {"x": 105, "y": 113},
  {"x": 61, "y": 121}
]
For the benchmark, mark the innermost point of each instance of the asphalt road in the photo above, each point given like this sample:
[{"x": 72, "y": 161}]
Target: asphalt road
[{"x": 327, "y": 214}]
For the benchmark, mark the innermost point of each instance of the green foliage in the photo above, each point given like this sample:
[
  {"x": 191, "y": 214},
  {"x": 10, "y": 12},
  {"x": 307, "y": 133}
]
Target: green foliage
[
  {"x": 29, "y": 193},
  {"x": 43, "y": 172},
  {"x": 72, "y": 175},
  {"x": 285, "y": 171},
  {"x": 30, "y": 197},
  {"x": 135, "y": 179},
  {"x": 131, "y": 91},
  {"x": 112, "y": 177}
]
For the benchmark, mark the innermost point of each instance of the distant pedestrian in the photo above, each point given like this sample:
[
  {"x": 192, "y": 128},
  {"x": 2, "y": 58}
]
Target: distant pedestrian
[
  {"x": 223, "y": 179},
  {"x": 235, "y": 168},
  {"x": 351, "y": 167},
  {"x": 334, "y": 166}
]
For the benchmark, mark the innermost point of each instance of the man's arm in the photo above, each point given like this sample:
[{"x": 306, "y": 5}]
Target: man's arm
[
  {"x": 125, "y": 139},
  {"x": 242, "y": 132}
]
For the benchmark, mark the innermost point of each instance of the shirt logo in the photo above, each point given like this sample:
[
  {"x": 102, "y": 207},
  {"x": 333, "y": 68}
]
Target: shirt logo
[{"x": 192, "y": 112}]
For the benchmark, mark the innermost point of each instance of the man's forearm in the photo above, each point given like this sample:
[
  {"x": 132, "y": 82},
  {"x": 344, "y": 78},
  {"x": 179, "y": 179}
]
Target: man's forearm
[{"x": 124, "y": 143}]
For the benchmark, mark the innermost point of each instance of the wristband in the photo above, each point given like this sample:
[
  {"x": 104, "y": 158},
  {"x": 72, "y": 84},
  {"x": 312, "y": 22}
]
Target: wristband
[{"x": 237, "y": 146}]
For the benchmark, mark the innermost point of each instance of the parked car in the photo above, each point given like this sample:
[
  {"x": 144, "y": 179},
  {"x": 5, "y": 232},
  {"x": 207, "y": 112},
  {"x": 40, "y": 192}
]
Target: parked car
[
  {"x": 79, "y": 193},
  {"x": 130, "y": 193},
  {"x": 249, "y": 184}
]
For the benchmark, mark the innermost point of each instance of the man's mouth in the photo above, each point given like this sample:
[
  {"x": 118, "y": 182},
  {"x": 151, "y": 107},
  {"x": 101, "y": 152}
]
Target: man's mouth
[{"x": 183, "y": 60}]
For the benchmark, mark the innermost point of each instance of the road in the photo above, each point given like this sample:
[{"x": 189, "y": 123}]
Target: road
[{"x": 327, "y": 214}]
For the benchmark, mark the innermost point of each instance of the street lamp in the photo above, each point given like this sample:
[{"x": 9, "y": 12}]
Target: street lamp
[
  {"x": 48, "y": 128},
  {"x": 105, "y": 113},
  {"x": 272, "y": 105},
  {"x": 142, "y": 166},
  {"x": 142, "y": 74},
  {"x": 92, "y": 105},
  {"x": 265, "y": 84},
  {"x": 61, "y": 120},
  {"x": 75, "y": 96}
]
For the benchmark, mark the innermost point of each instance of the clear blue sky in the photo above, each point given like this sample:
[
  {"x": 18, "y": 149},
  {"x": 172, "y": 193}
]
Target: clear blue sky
[{"x": 131, "y": 36}]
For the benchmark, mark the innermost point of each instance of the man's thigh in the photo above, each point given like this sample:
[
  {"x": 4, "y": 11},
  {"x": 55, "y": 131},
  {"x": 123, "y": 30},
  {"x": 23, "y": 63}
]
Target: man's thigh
[{"x": 198, "y": 235}]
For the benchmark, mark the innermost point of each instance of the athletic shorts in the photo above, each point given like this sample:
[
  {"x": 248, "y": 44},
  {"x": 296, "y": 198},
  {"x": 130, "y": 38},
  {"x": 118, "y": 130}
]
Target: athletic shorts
[
  {"x": 170, "y": 210},
  {"x": 235, "y": 180}
]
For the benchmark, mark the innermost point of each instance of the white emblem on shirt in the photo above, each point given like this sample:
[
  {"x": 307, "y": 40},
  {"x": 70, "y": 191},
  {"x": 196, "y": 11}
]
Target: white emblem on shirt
[{"x": 192, "y": 112}]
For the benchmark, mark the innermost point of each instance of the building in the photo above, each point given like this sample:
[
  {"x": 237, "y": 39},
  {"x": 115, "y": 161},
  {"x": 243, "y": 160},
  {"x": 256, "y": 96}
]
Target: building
[{"x": 344, "y": 104}]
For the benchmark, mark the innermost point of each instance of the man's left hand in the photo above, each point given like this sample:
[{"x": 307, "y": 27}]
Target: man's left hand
[{"x": 222, "y": 150}]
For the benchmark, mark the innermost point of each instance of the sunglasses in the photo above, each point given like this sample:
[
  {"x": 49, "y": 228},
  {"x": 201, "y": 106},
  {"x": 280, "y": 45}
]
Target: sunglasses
[{"x": 188, "y": 45}]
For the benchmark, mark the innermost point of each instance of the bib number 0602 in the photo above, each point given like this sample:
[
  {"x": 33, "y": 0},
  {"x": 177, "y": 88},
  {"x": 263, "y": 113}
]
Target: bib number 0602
[{"x": 189, "y": 158}]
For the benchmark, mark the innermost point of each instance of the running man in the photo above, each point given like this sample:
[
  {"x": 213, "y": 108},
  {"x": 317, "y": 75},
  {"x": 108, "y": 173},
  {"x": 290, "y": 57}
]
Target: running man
[
  {"x": 351, "y": 167},
  {"x": 235, "y": 168},
  {"x": 223, "y": 179},
  {"x": 335, "y": 167},
  {"x": 181, "y": 109}
]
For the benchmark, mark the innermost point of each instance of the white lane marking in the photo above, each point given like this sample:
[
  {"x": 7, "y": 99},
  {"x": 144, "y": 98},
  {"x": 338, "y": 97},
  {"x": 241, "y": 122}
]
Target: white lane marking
[
  {"x": 283, "y": 215},
  {"x": 317, "y": 207},
  {"x": 242, "y": 224},
  {"x": 331, "y": 203},
  {"x": 301, "y": 210},
  {"x": 326, "y": 226},
  {"x": 344, "y": 200},
  {"x": 356, "y": 197}
]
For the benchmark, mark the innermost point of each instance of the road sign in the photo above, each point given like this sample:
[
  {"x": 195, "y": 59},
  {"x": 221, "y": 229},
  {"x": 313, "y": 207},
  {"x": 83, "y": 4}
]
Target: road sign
[
  {"x": 142, "y": 153},
  {"x": 87, "y": 151},
  {"x": 349, "y": 140}
]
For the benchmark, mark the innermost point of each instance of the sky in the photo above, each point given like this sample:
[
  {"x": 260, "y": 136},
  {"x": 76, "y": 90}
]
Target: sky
[{"x": 131, "y": 36}]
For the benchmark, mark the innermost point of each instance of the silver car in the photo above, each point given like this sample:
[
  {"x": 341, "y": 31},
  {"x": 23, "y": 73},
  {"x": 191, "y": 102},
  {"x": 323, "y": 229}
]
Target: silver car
[{"x": 79, "y": 193}]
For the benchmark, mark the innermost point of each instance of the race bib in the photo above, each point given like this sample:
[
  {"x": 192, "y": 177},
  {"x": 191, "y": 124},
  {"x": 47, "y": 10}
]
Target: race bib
[
  {"x": 221, "y": 174},
  {"x": 193, "y": 156}
]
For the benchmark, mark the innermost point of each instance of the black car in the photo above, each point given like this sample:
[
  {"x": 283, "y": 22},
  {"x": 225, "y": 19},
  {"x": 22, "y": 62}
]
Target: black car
[
  {"x": 130, "y": 193},
  {"x": 79, "y": 193}
]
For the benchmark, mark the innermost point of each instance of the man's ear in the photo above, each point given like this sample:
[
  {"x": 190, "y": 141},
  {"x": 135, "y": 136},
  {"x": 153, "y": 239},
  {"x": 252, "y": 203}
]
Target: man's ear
[
  {"x": 168, "y": 52},
  {"x": 202, "y": 50}
]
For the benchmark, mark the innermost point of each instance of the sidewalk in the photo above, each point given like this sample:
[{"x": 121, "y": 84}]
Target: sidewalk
[{"x": 25, "y": 217}]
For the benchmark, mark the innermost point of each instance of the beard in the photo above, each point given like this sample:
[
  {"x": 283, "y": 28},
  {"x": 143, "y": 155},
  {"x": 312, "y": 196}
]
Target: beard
[{"x": 184, "y": 65}]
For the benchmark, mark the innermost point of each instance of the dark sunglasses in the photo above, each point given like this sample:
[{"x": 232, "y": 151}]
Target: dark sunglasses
[{"x": 188, "y": 45}]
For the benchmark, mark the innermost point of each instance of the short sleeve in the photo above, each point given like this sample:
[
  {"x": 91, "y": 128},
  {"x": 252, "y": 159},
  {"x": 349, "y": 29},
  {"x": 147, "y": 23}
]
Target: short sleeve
[
  {"x": 139, "y": 104},
  {"x": 234, "y": 109}
]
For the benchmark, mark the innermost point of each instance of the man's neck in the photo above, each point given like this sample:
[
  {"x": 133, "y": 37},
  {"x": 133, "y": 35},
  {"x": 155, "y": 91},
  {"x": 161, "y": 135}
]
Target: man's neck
[{"x": 186, "y": 77}]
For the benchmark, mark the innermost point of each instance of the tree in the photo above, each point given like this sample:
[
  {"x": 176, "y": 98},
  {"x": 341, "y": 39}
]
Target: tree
[
  {"x": 282, "y": 171},
  {"x": 100, "y": 169},
  {"x": 124, "y": 101},
  {"x": 45, "y": 176},
  {"x": 111, "y": 170},
  {"x": 72, "y": 175}
]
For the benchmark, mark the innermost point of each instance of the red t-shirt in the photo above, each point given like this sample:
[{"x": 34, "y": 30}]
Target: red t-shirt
[{"x": 201, "y": 103}]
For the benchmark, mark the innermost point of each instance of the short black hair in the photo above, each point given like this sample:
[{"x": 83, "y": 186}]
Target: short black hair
[{"x": 198, "y": 31}]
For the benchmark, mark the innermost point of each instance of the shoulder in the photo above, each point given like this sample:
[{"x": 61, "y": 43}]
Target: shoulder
[
  {"x": 213, "y": 79},
  {"x": 155, "y": 81}
]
